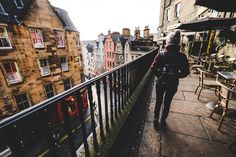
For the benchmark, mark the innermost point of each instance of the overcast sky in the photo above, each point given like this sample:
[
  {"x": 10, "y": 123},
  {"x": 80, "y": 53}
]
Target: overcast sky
[{"x": 92, "y": 17}]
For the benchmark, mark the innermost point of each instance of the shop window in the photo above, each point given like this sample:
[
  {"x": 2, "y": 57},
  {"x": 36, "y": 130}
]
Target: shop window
[
  {"x": 64, "y": 64},
  {"x": 44, "y": 67},
  {"x": 37, "y": 38},
  {"x": 59, "y": 35},
  {"x": 4, "y": 39},
  {"x": 49, "y": 90},
  {"x": 12, "y": 72},
  {"x": 22, "y": 101}
]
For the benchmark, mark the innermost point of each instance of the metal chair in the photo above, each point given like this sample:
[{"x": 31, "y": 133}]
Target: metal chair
[
  {"x": 206, "y": 80},
  {"x": 226, "y": 101}
]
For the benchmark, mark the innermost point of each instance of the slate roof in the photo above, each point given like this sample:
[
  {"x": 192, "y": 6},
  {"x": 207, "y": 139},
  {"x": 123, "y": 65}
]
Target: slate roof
[
  {"x": 14, "y": 14},
  {"x": 65, "y": 19},
  {"x": 115, "y": 36},
  {"x": 125, "y": 39}
]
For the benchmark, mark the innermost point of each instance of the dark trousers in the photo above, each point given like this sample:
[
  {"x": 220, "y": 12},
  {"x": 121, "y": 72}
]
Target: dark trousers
[{"x": 166, "y": 93}]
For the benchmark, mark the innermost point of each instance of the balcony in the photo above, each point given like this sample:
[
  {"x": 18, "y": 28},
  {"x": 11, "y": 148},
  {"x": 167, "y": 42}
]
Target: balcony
[{"x": 112, "y": 115}]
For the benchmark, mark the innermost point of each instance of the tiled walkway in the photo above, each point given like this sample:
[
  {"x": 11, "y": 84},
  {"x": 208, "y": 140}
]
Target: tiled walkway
[{"x": 189, "y": 131}]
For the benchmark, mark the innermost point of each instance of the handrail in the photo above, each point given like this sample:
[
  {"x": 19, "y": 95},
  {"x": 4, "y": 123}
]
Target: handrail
[
  {"x": 62, "y": 95},
  {"x": 117, "y": 86}
]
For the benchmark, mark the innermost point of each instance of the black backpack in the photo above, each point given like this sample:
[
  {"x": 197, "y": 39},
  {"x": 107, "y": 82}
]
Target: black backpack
[{"x": 167, "y": 74}]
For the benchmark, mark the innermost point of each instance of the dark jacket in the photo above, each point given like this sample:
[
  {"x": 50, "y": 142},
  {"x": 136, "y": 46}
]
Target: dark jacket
[{"x": 175, "y": 59}]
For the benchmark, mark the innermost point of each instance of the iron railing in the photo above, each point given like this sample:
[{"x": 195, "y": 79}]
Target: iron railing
[{"x": 60, "y": 125}]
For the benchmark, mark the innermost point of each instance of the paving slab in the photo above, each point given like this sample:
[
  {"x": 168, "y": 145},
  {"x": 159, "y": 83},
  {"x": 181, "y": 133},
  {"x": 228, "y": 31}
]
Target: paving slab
[
  {"x": 190, "y": 108},
  {"x": 179, "y": 145},
  {"x": 225, "y": 135},
  {"x": 186, "y": 124}
]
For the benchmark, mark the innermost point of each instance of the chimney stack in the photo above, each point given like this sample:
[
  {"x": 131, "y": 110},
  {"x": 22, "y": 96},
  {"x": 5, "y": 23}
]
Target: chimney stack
[
  {"x": 137, "y": 33},
  {"x": 146, "y": 32},
  {"x": 126, "y": 32}
]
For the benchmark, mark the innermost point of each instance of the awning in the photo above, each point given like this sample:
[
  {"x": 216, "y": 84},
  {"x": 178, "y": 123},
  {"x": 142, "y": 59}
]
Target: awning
[
  {"x": 209, "y": 24},
  {"x": 218, "y": 5}
]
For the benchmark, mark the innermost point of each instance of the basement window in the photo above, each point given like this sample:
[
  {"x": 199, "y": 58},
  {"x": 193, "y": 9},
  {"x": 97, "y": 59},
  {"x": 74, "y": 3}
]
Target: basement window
[
  {"x": 22, "y": 101},
  {"x": 4, "y": 39},
  {"x": 12, "y": 72},
  {"x": 19, "y": 4}
]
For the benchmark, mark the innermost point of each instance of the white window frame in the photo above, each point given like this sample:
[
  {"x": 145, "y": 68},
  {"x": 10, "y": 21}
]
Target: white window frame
[
  {"x": 39, "y": 38},
  {"x": 168, "y": 15},
  {"x": 19, "y": 4},
  {"x": 2, "y": 10},
  {"x": 70, "y": 84},
  {"x": 47, "y": 92},
  {"x": 64, "y": 63},
  {"x": 28, "y": 100},
  {"x": 45, "y": 69},
  {"x": 6, "y": 38},
  {"x": 177, "y": 10},
  {"x": 59, "y": 35},
  {"x": 13, "y": 76}
]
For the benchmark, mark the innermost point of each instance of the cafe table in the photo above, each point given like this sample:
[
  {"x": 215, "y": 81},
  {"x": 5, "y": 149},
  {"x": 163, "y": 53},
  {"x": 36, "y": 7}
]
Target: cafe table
[{"x": 228, "y": 76}]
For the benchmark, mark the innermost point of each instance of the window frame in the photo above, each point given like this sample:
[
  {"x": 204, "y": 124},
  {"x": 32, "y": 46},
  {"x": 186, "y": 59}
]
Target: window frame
[
  {"x": 65, "y": 85},
  {"x": 2, "y": 10},
  {"x": 177, "y": 10},
  {"x": 37, "y": 45},
  {"x": 6, "y": 37},
  {"x": 65, "y": 64},
  {"x": 16, "y": 73},
  {"x": 49, "y": 92},
  {"x": 61, "y": 35},
  {"x": 21, "y": 4},
  {"x": 168, "y": 15},
  {"x": 77, "y": 40},
  {"x": 41, "y": 68},
  {"x": 28, "y": 100}
]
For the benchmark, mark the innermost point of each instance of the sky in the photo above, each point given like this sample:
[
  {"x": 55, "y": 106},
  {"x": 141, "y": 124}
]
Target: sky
[{"x": 92, "y": 17}]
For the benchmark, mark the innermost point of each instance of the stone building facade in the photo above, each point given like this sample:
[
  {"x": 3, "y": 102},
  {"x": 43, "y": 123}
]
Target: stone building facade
[
  {"x": 175, "y": 12},
  {"x": 40, "y": 54},
  {"x": 109, "y": 50}
]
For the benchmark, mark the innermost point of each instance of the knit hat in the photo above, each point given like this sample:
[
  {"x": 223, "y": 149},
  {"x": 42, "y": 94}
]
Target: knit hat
[{"x": 173, "y": 38}]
